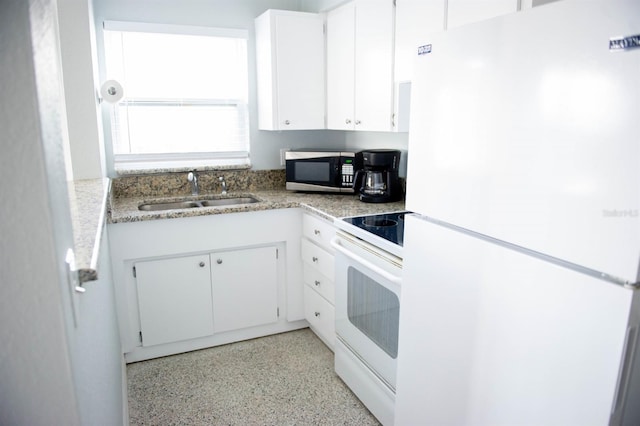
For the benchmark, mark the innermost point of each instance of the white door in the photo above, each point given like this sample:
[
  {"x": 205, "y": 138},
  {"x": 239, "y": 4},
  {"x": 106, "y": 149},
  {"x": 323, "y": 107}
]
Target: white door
[
  {"x": 367, "y": 306},
  {"x": 174, "y": 298},
  {"x": 245, "y": 288},
  {"x": 341, "y": 67},
  {"x": 374, "y": 24},
  {"x": 415, "y": 20},
  {"x": 300, "y": 71},
  {"x": 506, "y": 142},
  {"x": 491, "y": 336}
]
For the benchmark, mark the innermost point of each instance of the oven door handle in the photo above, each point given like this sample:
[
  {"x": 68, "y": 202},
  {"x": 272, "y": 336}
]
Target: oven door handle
[{"x": 335, "y": 243}]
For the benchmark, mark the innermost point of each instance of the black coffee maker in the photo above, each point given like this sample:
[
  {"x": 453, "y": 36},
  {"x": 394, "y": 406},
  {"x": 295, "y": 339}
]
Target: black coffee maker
[{"x": 378, "y": 180}]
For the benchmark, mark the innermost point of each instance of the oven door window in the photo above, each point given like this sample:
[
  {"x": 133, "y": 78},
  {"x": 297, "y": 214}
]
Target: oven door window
[{"x": 374, "y": 310}]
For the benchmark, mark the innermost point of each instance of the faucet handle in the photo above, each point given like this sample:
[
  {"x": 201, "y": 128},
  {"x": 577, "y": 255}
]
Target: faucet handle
[{"x": 190, "y": 177}]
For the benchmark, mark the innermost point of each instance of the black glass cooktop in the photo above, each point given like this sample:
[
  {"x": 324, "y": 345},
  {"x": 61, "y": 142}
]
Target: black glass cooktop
[{"x": 389, "y": 226}]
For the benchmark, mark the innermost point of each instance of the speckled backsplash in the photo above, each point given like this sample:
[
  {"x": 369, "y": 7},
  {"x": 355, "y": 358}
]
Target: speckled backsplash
[{"x": 174, "y": 184}]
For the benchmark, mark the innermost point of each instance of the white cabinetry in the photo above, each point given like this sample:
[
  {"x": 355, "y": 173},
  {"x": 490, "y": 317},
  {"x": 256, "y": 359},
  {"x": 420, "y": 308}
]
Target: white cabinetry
[
  {"x": 249, "y": 285},
  {"x": 245, "y": 288},
  {"x": 462, "y": 12},
  {"x": 360, "y": 66},
  {"x": 174, "y": 299},
  {"x": 290, "y": 65},
  {"x": 318, "y": 275}
]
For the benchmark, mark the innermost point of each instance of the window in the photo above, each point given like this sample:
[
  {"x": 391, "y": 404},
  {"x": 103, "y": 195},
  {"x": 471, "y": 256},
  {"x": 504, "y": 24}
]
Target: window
[{"x": 185, "y": 95}]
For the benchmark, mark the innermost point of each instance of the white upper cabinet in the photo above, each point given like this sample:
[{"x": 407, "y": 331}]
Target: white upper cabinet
[
  {"x": 360, "y": 66},
  {"x": 290, "y": 66},
  {"x": 462, "y": 12}
]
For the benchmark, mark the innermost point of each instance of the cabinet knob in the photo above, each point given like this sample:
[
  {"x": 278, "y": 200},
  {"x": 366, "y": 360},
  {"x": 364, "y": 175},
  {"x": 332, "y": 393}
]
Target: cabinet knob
[
  {"x": 287, "y": 122},
  {"x": 202, "y": 264},
  {"x": 316, "y": 231},
  {"x": 317, "y": 283},
  {"x": 347, "y": 121},
  {"x": 358, "y": 122},
  {"x": 315, "y": 259},
  {"x": 219, "y": 261},
  {"x": 317, "y": 314}
]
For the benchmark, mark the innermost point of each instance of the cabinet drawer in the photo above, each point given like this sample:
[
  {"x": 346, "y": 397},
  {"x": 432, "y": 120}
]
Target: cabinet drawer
[
  {"x": 319, "y": 282},
  {"x": 321, "y": 316},
  {"x": 318, "y": 258},
  {"x": 318, "y": 231}
]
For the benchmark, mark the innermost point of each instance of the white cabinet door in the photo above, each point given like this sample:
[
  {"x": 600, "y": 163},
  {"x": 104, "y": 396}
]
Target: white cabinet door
[
  {"x": 360, "y": 66},
  {"x": 374, "y": 65},
  {"x": 174, "y": 298},
  {"x": 462, "y": 12},
  {"x": 245, "y": 291},
  {"x": 341, "y": 67},
  {"x": 290, "y": 66}
]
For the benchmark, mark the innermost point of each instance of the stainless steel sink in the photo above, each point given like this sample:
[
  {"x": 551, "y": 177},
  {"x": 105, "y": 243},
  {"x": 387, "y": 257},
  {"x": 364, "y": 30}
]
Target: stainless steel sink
[
  {"x": 191, "y": 204},
  {"x": 229, "y": 201}
]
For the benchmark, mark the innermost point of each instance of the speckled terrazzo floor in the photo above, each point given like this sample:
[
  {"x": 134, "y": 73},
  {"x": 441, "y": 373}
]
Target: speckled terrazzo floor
[{"x": 285, "y": 379}]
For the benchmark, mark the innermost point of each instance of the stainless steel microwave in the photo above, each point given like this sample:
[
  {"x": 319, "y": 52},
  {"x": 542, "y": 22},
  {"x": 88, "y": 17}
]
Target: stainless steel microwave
[{"x": 321, "y": 171}]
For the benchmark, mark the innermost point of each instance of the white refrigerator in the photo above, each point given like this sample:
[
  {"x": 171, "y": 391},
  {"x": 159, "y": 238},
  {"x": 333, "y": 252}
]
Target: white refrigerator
[{"x": 520, "y": 301}]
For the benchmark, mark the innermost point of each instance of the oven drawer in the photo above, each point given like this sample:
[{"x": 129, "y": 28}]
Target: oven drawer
[
  {"x": 318, "y": 258},
  {"x": 319, "y": 282},
  {"x": 318, "y": 231},
  {"x": 321, "y": 316}
]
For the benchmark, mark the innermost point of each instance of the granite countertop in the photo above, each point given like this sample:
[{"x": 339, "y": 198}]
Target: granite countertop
[
  {"x": 88, "y": 205},
  {"x": 329, "y": 206},
  {"x": 91, "y": 199}
]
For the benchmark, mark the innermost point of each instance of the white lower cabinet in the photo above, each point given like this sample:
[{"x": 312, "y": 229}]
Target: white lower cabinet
[
  {"x": 190, "y": 283},
  {"x": 245, "y": 288},
  {"x": 174, "y": 299},
  {"x": 321, "y": 316},
  {"x": 318, "y": 276}
]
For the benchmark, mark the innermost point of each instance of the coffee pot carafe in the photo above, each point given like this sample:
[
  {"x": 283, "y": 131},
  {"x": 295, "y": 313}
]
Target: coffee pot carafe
[{"x": 378, "y": 180}]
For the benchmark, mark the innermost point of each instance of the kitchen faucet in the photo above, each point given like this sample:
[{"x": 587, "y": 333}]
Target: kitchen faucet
[
  {"x": 193, "y": 178},
  {"x": 224, "y": 185}
]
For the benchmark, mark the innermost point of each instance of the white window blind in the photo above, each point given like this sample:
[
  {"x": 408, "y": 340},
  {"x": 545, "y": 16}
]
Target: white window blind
[{"x": 185, "y": 94}]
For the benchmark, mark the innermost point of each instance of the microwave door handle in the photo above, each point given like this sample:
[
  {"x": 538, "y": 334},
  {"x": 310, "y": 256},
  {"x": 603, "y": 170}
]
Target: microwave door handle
[{"x": 335, "y": 243}]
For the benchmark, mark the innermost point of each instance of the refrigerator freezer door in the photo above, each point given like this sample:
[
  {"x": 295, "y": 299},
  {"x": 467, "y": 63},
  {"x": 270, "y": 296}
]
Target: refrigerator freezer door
[
  {"x": 525, "y": 128},
  {"x": 490, "y": 336}
]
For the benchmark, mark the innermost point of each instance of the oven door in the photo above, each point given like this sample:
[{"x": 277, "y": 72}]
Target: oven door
[{"x": 368, "y": 304}]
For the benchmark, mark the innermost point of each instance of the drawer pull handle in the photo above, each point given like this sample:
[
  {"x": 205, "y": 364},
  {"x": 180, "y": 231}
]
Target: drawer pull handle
[
  {"x": 317, "y": 283},
  {"x": 219, "y": 261},
  {"x": 316, "y": 231},
  {"x": 315, "y": 259},
  {"x": 317, "y": 314},
  {"x": 202, "y": 264}
]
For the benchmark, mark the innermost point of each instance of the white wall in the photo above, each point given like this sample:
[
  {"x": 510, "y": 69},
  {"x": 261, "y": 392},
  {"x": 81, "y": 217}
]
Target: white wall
[
  {"x": 85, "y": 129},
  {"x": 265, "y": 145},
  {"x": 35, "y": 372},
  {"x": 52, "y": 371},
  {"x": 98, "y": 366}
]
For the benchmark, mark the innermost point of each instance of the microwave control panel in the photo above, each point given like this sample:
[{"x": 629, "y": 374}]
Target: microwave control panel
[{"x": 347, "y": 171}]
